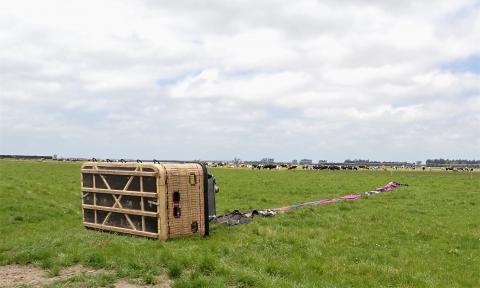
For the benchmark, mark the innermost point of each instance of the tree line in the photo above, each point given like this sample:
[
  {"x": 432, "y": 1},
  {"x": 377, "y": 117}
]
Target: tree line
[{"x": 441, "y": 161}]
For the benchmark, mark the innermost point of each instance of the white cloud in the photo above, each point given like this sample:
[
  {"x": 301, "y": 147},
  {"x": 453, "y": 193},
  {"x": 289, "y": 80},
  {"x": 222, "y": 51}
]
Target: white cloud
[{"x": 211, "y": 79}]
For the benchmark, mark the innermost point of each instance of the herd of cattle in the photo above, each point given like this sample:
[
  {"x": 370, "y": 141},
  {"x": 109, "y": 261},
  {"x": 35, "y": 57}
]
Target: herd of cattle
[{"x": 333, "y": 167}]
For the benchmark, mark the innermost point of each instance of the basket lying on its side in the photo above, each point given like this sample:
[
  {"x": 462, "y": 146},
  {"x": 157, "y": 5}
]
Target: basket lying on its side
[{"x": 165, "y": 200}]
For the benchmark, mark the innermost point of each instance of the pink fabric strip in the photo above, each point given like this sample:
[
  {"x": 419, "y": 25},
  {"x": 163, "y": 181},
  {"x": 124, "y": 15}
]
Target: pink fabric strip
[{"x": 351, "y": 197}]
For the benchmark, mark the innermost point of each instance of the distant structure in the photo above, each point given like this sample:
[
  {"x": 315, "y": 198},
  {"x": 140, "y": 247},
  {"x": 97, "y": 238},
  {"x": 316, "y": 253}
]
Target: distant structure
[
  {"x": 322, "y": 161},
  {"x": 26, "y": 157},
  {"x": 295, "y": 162},
  {"x": 267, "y": 161},
  {"x": 306, "y": 162}
]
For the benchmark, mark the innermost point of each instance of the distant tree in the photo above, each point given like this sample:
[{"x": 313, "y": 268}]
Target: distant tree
[{"x": 443, "y": 162}]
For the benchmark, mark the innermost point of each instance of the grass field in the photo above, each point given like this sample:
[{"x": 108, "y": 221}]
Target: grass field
[{"x": 423, "y": 235}]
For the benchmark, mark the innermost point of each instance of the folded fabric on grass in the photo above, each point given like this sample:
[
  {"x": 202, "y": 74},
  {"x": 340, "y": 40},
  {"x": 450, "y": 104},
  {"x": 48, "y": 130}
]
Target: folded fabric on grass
[{"x": 241, "y": 217}]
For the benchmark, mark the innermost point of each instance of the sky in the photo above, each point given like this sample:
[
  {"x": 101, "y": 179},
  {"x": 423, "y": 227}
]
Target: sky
[{"x": 323, "y": 80}]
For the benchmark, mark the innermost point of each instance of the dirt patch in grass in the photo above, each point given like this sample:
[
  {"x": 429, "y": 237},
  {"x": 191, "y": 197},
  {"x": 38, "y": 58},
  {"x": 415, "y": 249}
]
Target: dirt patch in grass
[{"x": 16, "y": 275}]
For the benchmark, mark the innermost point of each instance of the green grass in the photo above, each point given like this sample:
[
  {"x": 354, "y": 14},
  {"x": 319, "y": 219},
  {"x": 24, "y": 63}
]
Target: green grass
[{"x": 423, "y": 235}]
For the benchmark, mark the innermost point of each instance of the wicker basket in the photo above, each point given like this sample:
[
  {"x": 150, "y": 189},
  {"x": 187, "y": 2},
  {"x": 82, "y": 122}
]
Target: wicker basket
[{"x": 162, "y": 201}]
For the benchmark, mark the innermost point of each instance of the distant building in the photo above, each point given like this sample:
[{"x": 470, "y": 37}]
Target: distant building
[
  {"x": 294, "y": 162},
  {"x": 306, "y": 162},
  {"x": 322, "y": 161},
  {"x": 267, "y": 161}
]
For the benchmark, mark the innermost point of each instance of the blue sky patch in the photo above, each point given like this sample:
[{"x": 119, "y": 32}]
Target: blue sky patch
[{"x": 470, "y": 64}]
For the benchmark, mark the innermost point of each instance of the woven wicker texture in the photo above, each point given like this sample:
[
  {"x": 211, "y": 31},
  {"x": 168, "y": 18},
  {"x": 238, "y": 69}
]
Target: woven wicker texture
[{"x": 185, "y": 183}]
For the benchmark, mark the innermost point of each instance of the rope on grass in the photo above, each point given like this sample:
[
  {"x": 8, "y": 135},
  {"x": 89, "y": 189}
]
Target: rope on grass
[{"x": 241, "y": 217}]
